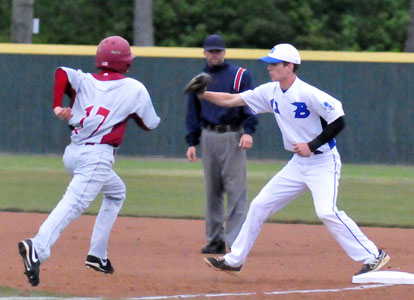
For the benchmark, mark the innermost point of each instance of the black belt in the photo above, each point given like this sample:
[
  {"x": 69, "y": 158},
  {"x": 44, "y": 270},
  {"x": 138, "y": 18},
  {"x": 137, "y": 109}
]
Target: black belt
[{"x": 222, "y": 128}]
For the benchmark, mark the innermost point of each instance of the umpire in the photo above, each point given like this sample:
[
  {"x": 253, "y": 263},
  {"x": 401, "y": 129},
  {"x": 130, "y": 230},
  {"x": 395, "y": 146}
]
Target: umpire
[{"x": 225, "y": 135}]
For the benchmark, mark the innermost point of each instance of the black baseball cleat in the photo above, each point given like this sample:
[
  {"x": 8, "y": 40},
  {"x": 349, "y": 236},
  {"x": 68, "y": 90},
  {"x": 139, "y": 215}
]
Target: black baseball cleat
[
  {"x": 382, "y": 259},
  {"x": 30, "y": 260},
  {"x": 100, "y": 265},
  {"x": 219, "y": 264},
  {"x": 214, "y": 248}
]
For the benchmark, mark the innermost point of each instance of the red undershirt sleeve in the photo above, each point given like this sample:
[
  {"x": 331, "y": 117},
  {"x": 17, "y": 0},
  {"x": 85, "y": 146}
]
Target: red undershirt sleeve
[{"x": 61, "y": 84}]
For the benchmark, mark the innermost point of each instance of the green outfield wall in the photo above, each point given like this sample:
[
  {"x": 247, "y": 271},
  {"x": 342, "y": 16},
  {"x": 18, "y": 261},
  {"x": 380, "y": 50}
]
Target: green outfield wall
[{"x": 376, "y": 90}]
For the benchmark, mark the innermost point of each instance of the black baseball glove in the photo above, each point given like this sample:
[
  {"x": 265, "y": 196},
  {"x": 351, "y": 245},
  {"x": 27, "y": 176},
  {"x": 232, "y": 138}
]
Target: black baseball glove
[{"x": 198, "y": 84}]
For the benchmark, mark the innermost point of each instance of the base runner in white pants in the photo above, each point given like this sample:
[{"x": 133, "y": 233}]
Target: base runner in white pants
[
  {"x": 101, "y": 105},
  {"x": 309, "y": 119}
]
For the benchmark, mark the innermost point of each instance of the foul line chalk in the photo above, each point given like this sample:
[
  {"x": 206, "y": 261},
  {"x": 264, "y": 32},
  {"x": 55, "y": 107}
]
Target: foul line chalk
[{"x": 362, "y": 287}]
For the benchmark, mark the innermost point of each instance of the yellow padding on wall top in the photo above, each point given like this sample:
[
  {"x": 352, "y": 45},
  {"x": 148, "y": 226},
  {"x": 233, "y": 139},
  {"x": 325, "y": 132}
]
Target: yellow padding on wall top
[{"x": 232, "y": 53}]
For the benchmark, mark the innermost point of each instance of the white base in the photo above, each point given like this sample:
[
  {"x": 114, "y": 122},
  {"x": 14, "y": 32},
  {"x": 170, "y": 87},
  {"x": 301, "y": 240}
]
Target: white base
[{"x": 393, "y": 277}]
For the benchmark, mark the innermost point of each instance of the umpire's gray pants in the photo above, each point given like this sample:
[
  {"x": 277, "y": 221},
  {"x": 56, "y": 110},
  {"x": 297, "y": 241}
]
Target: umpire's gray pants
[{"x": 224, "y": 165}]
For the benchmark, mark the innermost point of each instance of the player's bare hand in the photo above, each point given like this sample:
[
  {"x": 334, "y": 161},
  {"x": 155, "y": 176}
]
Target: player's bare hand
[
  {"x": 246, "y": 141},
  {"x": 191, "y": 154},
  {"x": 63, "y": 113},
  {"x": 302, "y": 149}
]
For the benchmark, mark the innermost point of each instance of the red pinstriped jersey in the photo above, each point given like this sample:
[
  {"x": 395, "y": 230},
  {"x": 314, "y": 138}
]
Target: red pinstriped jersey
[{"x": 101, "y": 107}]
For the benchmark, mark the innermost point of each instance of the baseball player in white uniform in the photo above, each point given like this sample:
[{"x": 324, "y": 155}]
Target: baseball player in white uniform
[
  {"x": 309, "y": 119},
  {"x": 101, "y": 105}
]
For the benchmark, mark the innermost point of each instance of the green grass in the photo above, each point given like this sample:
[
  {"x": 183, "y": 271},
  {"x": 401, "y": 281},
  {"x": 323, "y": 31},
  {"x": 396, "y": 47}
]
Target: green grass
[
  {"x": 375, "y": 195},
  {"x": 9, "y": 292}
]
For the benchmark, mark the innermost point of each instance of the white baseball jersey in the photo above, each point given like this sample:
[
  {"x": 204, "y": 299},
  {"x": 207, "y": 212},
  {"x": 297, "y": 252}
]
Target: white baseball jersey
[
  {"x": 297, "y": 111},
  {"x": 102, "y": 108}
]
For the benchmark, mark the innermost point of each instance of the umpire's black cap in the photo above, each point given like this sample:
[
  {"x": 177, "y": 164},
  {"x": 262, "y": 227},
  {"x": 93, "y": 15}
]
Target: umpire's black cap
[{"x": 214, "y": 42}]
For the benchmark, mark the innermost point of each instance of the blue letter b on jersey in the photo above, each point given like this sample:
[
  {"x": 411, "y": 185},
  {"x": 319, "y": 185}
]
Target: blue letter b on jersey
[{"x": 302, "y": 111}]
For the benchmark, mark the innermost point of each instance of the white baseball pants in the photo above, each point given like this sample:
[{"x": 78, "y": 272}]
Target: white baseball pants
[
  {"x": 320, "y": 174},
  {"x": 91, "y": 168}
]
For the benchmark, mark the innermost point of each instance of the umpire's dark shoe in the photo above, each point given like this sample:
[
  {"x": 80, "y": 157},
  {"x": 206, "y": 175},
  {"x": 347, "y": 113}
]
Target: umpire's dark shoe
[
  {"x": 219, "y": 264},
  {"x": 30, "y": 260},
  {"x": 100, "y": 265},
  {"x": 216, "y": 248},
  {"x": 382, "y": 259}
]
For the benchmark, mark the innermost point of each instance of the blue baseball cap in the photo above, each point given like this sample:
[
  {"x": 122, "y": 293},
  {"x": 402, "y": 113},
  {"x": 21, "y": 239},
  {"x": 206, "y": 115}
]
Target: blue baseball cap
[
  {"x": 282, "y": 52},
  {"x": 214, "y": 42}
]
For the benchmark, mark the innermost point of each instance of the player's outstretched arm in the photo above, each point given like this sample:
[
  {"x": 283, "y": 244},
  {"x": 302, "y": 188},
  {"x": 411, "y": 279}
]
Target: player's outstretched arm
[
  {"x": 198, "y": 85},
  {"x": 223, "y": 99}
]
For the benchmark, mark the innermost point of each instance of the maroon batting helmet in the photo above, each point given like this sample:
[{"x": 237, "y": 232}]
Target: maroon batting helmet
[{"x": 114, "y": 53}]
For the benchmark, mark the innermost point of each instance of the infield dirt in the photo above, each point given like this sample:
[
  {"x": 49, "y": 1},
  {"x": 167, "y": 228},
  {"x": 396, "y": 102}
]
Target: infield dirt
[{"x": 161, "y": 257}]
